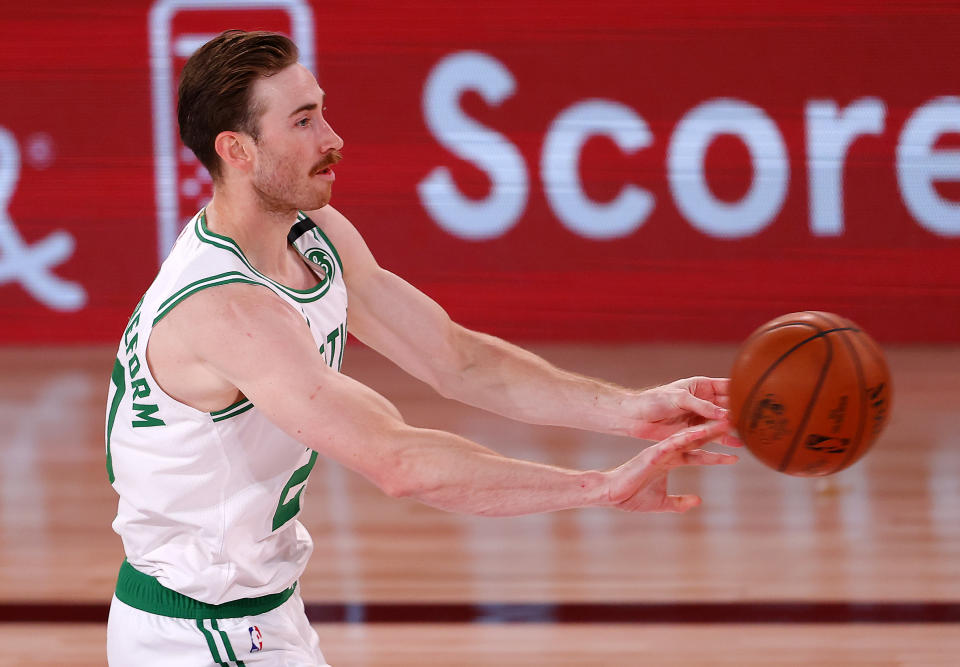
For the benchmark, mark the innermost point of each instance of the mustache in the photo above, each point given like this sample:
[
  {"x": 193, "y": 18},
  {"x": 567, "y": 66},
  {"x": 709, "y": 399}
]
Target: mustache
[{"x": 329, "y": 159}]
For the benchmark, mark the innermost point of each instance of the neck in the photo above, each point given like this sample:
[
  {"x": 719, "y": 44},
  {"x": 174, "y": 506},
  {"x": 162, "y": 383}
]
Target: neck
[{"x": 261, "y": 234}]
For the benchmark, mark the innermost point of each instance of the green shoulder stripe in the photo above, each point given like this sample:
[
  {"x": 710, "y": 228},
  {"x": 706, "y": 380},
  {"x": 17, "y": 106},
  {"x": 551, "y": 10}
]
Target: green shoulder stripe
[
  {"x": 193, "y": 288},
  {"x": 228, "y": 274}
]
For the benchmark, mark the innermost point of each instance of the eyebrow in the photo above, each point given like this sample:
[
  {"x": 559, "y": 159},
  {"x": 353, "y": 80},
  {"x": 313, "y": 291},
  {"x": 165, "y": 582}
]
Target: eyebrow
[{"x": 309, "y": 107}]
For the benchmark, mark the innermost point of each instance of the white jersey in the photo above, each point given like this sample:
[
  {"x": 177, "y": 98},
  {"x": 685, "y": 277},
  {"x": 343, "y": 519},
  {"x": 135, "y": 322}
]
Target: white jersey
[{"x": 209, "y": 501}]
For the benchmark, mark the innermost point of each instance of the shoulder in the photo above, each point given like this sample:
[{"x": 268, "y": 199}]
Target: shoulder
[
  {"x": 356, "y": 256},
  {"x": 226, "y": 338},
  {"x": 248, "y": 315},
  {"x": 198, "y": 260},
  {"x": 335, "y": 225}
]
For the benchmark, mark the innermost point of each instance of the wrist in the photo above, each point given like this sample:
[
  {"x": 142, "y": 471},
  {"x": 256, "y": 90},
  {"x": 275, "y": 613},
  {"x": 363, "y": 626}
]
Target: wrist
[
  {"x": 633, "y": 409},
  {"x": 595, "y": 488}
]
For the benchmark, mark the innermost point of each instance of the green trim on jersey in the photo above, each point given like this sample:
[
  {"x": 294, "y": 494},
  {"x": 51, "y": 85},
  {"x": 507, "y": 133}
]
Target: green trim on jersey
[
  {"x": 226, "y": 243},
  {"x": 198, "y": 285},
  {"x": 228, "y": 274},
  {"x": 119, "y": 381},
  {"x": 143, "y": 592},
  {"x": 237, "y": 408}
]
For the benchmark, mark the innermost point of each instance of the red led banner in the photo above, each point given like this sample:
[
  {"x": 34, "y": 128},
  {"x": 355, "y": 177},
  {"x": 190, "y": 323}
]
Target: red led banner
[{"x": 571, "y": 171}]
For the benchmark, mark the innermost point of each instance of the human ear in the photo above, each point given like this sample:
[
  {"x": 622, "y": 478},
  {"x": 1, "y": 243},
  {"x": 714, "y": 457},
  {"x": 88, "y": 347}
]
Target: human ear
[{"x": 233, "y": 150}]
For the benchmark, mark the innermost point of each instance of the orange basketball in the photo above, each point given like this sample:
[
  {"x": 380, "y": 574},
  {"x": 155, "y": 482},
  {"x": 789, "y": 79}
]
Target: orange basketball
[{"x": 810, "y": 392}]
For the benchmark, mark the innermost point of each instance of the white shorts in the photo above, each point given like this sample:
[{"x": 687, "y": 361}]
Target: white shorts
[{"x": 281, "y": 636}]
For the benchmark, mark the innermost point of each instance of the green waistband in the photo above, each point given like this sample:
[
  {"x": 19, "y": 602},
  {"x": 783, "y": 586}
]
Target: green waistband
[{"x": 145, "y": 593}]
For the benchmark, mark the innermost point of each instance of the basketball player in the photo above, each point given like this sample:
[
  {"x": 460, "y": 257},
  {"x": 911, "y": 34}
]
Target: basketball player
[{"x": 226, "y": 387}]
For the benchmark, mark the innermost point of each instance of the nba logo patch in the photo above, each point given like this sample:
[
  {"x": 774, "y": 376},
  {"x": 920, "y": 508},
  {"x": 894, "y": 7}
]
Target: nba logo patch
[{"x": 256, "y": 639}]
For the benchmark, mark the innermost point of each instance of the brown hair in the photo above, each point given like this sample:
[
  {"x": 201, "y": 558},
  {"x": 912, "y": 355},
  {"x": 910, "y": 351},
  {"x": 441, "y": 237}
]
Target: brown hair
[{"x": 216, "y": 84}]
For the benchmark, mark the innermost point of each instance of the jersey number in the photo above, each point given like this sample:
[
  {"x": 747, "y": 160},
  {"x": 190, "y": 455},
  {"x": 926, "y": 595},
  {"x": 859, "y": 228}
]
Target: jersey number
[
  {"x": 119, "y": 383},
  {"x": 288, "y": 510}
]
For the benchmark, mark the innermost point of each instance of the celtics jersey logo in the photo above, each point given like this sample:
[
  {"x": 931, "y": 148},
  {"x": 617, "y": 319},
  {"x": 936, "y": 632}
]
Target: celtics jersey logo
[{"x": 322, "y": 259}]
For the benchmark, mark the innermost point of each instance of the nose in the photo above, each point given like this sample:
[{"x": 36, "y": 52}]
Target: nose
[{"x": 329, "y": 139}]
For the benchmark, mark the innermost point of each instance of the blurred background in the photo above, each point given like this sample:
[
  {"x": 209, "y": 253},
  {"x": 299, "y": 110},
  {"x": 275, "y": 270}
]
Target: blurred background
[{"x": 627, "y": 188}]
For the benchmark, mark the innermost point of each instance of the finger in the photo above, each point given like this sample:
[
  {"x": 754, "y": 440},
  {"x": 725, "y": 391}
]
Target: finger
[
  {"x": 664, "y": 454},
  {"x": 721, "y": 386},
  {"x": 701, "y": 407},
  {"x": 693, "y": 437},
  {"x": 680, "y": 503},
  {"x": 700, "y": 457},
  {"x": 730, "y": 440}
]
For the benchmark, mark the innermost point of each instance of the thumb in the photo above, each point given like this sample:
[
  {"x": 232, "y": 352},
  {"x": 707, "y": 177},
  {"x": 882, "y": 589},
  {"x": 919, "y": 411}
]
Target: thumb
[
  {"x": 664, "y": 453},
  {"x": 680, "y": 503}
]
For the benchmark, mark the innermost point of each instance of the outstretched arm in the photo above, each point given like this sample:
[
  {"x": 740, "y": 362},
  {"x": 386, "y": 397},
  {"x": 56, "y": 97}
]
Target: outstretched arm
[
  {"x": 408, "y": 327},
  {"x": 246, "y": 337}
]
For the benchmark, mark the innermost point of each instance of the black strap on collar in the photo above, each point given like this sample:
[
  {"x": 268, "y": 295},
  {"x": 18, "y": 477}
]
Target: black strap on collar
[{"x": 299, "y": 229}]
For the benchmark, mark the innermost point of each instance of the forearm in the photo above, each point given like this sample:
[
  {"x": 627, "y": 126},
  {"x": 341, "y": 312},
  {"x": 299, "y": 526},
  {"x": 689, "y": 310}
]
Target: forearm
[
  {"x": 454, "y": 474},
  {"x": 504, "y": 378},
  {"x": 401, "y": 323},
  {"x": 362, "y": 430}
]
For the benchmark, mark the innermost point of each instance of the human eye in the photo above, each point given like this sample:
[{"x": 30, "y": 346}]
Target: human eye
[{"x": 303, "y": 122}]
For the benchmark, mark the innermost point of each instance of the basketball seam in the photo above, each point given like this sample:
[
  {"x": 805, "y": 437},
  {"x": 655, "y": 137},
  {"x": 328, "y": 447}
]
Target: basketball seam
[
  {"x": 873, "y": 350},
  {"x": 809, "y": 409},
  {"x": 862, "y": 383},
  {"x": 782, "y": 325},
  {"x": 862, "y": 423},
  {"x": 741, "y": 423},
  {"x": 877, "y": 356},
  {"x": 753, "y": 390}
]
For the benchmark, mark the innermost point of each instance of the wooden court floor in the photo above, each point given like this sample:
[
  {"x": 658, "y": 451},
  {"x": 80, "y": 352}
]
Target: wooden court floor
[{"x": 862, "y": 568}]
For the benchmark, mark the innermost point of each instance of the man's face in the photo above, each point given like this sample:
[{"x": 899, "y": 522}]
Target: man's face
[{"x": 296, "y": 147}]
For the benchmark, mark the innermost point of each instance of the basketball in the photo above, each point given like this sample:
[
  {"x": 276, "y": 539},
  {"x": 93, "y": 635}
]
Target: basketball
[{"x": 809, "y": 393}]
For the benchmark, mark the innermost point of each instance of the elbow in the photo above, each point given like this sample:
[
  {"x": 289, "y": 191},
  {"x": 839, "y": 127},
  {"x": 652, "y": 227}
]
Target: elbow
[
  {"x": 396, "y": 485},
  {"x": 455, "y": 361},
  {"x": 400, "y": 475},
  {"x": 407, "y": 484}
]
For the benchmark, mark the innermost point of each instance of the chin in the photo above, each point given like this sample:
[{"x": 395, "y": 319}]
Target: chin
[
  {"x": 314, "y": 201},
  {"x": 322, "y": 200}
]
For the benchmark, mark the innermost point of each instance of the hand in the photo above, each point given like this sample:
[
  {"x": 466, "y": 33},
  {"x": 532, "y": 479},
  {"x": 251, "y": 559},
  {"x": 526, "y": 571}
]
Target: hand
[
  {"x": 640, "y": 484},
  {"x": 666, "y": 410}
]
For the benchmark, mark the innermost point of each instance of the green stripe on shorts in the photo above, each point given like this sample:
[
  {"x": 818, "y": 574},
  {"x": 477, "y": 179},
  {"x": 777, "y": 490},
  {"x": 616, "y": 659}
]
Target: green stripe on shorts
[
  {"x": 226, "y": 644},
  {"x": 213, "y": 646}
]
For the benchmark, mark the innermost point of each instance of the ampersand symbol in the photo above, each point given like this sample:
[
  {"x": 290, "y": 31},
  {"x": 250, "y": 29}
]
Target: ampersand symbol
[{"x": 31, "y": 265}]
